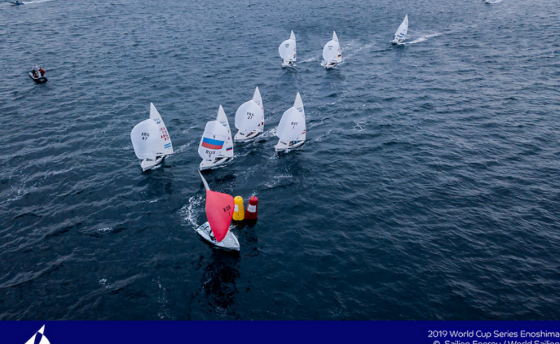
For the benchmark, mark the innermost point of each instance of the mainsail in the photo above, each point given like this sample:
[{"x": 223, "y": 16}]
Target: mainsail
[
  {"x": 164, "y": 147},
  {"x": 227, "y": 150},
  {"x": 402, "y": 30}
]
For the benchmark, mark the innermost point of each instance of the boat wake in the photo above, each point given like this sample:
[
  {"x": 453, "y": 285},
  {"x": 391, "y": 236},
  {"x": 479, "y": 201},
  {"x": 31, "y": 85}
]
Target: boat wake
[
  {"x": 310, "y": 60},
  {"x": 190, "y": 212},
  {"x": 352, "y": 49},
  {"x": 36, "y": 2},
  {"x": 423, "y": 38}
]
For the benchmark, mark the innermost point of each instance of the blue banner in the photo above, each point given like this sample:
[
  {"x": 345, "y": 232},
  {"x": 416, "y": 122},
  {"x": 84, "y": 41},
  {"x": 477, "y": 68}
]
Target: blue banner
[{"x": 247, "y": 332}]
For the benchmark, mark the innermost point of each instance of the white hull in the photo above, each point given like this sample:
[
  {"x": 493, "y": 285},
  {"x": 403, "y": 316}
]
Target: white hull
[
  {"x": 328, "y": 65},
  {"x": 210, "y": 164},
  {"x": 397, "y": 42},
  {"x": 151, "y": 164},
  {"x": 245, "y": 138},
  {"x": 284, "y": 147},
  {"x": 286, "y": 64},
  {"x": 230, "y": 242}
]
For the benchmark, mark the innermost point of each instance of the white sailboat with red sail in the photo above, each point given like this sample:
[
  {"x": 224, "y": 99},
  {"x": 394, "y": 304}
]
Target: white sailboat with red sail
[{"x": 219, "y": 211}]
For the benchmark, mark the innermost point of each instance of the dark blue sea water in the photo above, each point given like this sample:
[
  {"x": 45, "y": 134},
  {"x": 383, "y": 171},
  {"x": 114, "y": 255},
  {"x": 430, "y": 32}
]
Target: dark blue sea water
[{"x": 428, "y": 187}]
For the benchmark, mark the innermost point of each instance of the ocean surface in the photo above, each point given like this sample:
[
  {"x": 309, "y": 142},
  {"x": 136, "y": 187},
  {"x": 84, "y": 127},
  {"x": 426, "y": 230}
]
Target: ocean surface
[{"x": 428, "y": 188}]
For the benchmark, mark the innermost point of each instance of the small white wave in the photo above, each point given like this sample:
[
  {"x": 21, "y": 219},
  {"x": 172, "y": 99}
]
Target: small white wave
[
  {"x": 310, "y": 60},
  {"x": 352, "y": 49},
  {"x": 424, "y": 38},
  {"x": 36, "y": 2},
  {"x": 492, "y": 1},
  {"x": 189, "y": 212},
  {"x": 105, "y": 230}
]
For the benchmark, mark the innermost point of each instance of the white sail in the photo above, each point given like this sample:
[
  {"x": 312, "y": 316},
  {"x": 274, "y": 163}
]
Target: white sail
[
  {"x": 258, "y": 99},
  {"x": 31, "y": 340},
  {"x": 43, "y": 340},
  {"x": 165, "y": 146},
  {"x": 298, "y": 105},
  {"x": 292, "y": 124},
  {"x": 227, "y": 150},
  {"x": 145, "y": 138},
  {"x": 212, "y": 141},
  {"x": 402, "y": 30},
  {"x": 287, "y": 49},
  {"x": 249, "y": 117},
  {"x": 332, "y": 51}
]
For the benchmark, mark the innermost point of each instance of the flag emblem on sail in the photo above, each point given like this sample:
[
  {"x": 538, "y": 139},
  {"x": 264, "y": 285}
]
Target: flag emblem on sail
[
  {"x": 212, "y": 143},
  {"x": 39, "y": 337}
]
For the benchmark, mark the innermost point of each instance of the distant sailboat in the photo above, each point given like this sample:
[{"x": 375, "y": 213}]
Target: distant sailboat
[
  {"x": 291, "y": 129},
  {"x": 332, "y": 54},
  {"x": 287, "y": 51},
  {"x": 400, "y": 35},
  {"x": 219, "y": 211},
  {"x": 39, "y": 337},
  {"x": 249, "y": 119},
  {"x": 151, "y": 140},
  {"x": 209, "y": 150}
]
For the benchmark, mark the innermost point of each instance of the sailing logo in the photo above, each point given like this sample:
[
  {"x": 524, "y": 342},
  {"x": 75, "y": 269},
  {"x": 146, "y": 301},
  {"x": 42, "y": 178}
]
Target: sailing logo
[{"x": 39, "y": 337}]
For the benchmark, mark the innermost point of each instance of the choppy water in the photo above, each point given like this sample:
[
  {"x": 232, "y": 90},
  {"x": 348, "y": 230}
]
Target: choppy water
[{"x": 428, "y": 187}]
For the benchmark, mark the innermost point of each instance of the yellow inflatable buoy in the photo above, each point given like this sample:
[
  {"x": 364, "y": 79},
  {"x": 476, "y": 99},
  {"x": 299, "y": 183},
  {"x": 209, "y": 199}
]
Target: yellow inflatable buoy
[{"x": 238, "y": 212}]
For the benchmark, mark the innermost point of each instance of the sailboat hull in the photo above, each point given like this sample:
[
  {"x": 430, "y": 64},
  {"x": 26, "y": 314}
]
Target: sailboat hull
[
  {"x": 285, "y": 147},
  {"x": 230, "y": 241},
  {"x": 245, "y": 138},
  {"x": 286, "y": 64},
  {"x": 40, "y": 80},
  {"x": 152, "y": 165},
  {"x": 211, "y": 164}
]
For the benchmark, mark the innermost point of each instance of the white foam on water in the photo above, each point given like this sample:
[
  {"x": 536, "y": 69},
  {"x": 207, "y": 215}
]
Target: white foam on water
[
  {"x": 424, "y": 38},
  {"x": 492, "y": 1},
  {"x": 190, "y": 211},
  {"x": 353, "y": 48},
  {"x": 309, "y": 60}
]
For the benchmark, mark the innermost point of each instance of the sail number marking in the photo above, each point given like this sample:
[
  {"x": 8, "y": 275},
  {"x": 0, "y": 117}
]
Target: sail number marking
[{"x": 250, "y": 115}]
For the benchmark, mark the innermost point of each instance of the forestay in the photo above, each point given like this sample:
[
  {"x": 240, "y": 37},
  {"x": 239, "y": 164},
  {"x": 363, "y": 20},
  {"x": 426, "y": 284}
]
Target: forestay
[
  {"x": 165, "y": 147},
  {"x": 212, "y": 141},
  {"x": 145, "y": 139}
]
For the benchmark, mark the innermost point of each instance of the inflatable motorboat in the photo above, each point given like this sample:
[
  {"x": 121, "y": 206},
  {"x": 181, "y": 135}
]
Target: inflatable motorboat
[{"x": 38, "y": 79}]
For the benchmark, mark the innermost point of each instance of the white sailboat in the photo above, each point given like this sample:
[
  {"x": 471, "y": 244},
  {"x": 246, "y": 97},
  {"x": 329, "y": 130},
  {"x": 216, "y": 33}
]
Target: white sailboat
[
  {"x": 400, "y": 35},
  {"x": 287, "y": 51},
  {"x": 219, "y": 211},
  {"x": 291, "y": 129},
  {"x": 332, "y": 54},
  {"x": 41, "y": 334},
  {"x": 213, "y": 158},
  {"x": 249, "y": 119},
  {"x": 151, "y": 140}
]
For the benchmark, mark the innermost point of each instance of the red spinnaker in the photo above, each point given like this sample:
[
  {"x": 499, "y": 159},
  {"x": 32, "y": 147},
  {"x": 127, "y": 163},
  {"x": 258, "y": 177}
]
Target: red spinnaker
[{"x": 219, "y": 211}]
